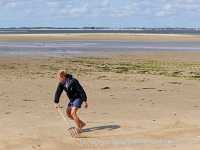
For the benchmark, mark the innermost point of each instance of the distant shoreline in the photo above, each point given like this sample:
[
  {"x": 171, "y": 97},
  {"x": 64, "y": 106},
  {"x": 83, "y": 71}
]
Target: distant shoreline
[{"x": 99, "y": 37}]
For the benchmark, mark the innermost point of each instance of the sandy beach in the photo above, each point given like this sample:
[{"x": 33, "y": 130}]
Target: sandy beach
[
  {"x": 140, "y": 101},
  {"x": 99, "y": 36},
  {"x": 137, "y": 62}
]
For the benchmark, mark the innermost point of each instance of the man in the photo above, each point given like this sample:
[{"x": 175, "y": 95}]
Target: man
[{"x": 75, "y": 93}]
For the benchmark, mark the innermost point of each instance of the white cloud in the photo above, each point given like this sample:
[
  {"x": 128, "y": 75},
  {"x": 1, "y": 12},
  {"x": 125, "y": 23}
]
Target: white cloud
[
  {"x": 113, "y": 8},
  {"x": 105, "y": 3},
  {"x": 71, "y": 11}
]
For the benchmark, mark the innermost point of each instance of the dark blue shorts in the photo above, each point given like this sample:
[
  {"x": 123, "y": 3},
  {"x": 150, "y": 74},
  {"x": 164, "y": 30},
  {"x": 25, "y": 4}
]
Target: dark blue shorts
[{"x": 75, "y": 103}]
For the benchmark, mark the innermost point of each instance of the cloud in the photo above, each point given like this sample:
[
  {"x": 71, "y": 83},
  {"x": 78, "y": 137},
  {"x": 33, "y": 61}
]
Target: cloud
[
  {"x": 8, "y": 3},
  {"x": 177, "y": 7},
  {"x": 113, "y": 8},
  {"x": 105, "y": 3},
  {"x": 94, "y": 10},
  {"x": 71, "y": 11}
]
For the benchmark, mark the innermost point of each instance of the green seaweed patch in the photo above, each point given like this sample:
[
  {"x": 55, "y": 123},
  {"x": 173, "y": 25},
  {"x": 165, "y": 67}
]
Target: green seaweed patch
[{"x": 52, "y": 67}]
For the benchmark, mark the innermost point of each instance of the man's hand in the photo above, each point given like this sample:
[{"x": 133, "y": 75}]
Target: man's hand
[
  {"x": 57, "y": 105},
  {"x": 86, "y": 105}
]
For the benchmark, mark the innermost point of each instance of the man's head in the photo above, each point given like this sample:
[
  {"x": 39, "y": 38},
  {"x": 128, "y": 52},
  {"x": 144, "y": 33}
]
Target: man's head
[{"x": 61, "y": 75}]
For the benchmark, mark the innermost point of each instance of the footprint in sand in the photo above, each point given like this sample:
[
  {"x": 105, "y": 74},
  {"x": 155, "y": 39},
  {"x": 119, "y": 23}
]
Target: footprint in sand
[
  {"x": 36, "y": 146},
  {"x": 104, "y": 113},
  {"x": 28, "y": 100},
  {"x": 178, "y": 83},
  {"x": 148, "y": 88},
  {"x": 196, "y": 106},
  {"x": 161, "y": 90},
  {"x": 105, "y": 88},
  {"x": 7, "y": 113}
]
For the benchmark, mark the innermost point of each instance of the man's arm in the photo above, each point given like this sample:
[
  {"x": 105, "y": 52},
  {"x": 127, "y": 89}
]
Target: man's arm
[
  {"x": 58, "y": 93},
  {"x": 81, "y": 91}
]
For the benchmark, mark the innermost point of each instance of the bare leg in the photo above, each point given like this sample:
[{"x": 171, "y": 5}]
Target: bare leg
[
  {"x": 68, "y": 112},
  {"x": 79, "y": 123}
]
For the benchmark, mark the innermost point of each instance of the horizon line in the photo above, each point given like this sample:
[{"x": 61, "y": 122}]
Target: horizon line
[{"x": 95, "y": 27}]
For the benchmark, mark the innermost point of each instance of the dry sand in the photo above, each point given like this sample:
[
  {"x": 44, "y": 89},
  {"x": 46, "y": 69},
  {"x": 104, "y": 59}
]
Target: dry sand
[
  {"x": 98, "y": 36},
  {"x": 143, "y": 109}
]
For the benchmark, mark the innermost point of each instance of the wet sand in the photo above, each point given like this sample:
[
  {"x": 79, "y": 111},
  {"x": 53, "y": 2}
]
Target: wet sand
[{"x": 98, "y": 36}]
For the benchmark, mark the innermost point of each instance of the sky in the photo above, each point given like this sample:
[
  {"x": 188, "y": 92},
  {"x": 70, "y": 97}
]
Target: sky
[{"x": 100, "y": 13}]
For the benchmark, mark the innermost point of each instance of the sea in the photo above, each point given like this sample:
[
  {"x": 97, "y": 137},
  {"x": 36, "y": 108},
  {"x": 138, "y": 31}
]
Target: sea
[{"x": 61, "y": 48}]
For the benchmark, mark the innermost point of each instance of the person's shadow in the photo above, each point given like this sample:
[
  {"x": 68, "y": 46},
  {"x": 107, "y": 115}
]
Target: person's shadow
[{"x": 105, "y": 127}]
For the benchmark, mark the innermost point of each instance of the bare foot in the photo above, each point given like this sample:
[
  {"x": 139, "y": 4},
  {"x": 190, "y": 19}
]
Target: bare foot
[
  {"x": 82, "y": 125},
  {"x": 78, "y": 130}
]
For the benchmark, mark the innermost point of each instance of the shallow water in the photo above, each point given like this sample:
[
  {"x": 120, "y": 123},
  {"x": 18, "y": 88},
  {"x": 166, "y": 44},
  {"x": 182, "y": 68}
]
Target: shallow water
[
  {"x": 143, "y": 31},
  {"x": 81, "y": 47}
]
